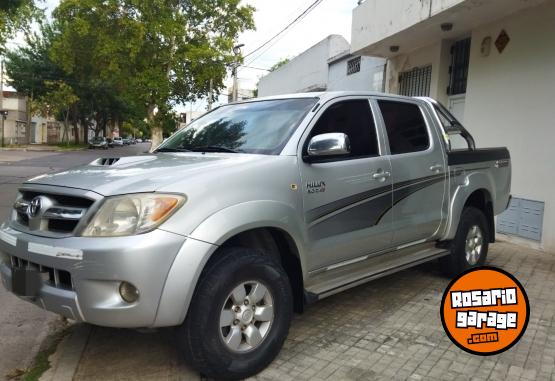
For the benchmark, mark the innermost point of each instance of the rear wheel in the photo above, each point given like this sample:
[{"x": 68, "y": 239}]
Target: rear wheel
[
  {"x": 239, "y": 316},
  {"x": 470, "y": 247}
]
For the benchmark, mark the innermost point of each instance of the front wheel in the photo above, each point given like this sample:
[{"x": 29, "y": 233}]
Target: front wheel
[
  {"x": 239, "y": 316},
  {"x": 469, "y": 249}
]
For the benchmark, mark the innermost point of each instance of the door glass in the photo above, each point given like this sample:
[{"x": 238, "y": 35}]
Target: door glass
[
  {"x": 405, "y": 125},
  {"x": 353, "y": 118}
]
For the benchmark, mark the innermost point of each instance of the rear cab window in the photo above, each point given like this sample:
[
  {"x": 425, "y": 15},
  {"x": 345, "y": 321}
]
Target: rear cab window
[{"x": 405, "y": 126}]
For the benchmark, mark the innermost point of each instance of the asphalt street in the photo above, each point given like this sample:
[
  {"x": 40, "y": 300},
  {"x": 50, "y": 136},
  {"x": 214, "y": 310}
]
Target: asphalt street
[{"x": 22, "y": 325}]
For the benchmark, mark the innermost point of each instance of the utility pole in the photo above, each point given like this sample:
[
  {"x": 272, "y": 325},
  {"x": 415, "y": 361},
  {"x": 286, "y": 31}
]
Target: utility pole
[
  {"x": 237, "y": 52},
  {"x": 235, "y": 84},
  {"x": 210, "y": 100},
  {"x": 3, "y": 116}
]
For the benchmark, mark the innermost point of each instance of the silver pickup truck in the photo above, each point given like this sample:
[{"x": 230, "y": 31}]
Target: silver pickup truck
[{"x": 252, "y": 212}]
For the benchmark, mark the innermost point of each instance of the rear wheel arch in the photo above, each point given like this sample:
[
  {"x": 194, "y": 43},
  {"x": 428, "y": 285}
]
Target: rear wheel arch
[{"x": 481, "y": 199}]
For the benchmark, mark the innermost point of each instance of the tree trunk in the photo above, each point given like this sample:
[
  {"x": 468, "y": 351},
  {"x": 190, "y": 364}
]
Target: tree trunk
[
  {"x": 156, "y": 130},
  {"x": 29, "y": 120},
  {"x": 74, "y": 121},
  {"x": 85, "y": 127}
]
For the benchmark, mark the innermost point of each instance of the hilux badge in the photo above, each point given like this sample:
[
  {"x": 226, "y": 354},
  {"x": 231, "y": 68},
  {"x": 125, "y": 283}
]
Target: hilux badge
[{"x": 315, "y": 186}]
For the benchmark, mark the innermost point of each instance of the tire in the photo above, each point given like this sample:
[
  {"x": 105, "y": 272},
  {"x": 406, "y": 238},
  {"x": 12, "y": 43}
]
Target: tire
[
  {"x": 201, "y": 337},
  {"x": 473, "y": 224}
]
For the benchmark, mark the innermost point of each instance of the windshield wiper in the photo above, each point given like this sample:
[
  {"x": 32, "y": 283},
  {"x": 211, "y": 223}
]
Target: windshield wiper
[
  {"x": 213, "y": 149},
  {"x": 164, "y": 149}
]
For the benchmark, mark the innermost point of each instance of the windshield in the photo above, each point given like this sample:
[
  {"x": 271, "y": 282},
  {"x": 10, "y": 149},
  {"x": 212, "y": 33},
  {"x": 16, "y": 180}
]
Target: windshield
[{"x": 261, "y": 127}]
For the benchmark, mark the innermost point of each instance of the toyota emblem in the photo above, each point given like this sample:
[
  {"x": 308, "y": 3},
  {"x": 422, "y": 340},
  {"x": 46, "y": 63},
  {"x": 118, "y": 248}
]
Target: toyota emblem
[{"x": 34, "y": 207}]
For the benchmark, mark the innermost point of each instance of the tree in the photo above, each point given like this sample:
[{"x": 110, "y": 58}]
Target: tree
[
  {"x": 15, "y": 15},
  {"x": 30, "y": 66},
  {"x": 60, "y": 101},
  {"x": 154, "y": 53},
  {"x": 280, "y": 63}
]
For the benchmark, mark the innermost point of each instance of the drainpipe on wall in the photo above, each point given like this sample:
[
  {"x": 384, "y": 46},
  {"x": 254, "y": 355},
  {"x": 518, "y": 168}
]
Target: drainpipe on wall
[{"x": 384, "y": 78}]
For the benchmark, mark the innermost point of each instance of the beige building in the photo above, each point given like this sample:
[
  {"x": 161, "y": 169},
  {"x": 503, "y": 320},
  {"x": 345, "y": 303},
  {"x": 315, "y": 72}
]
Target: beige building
[
  {"x": 15, "y": 121},
  {"x": 493, "y": 64}
]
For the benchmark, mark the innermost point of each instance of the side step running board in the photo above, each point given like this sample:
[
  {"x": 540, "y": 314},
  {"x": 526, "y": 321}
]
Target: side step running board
[{"x": 311, "y": 296}]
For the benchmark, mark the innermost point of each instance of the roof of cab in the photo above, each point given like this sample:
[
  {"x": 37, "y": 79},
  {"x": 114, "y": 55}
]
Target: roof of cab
[{"x": 327, "y": 95}]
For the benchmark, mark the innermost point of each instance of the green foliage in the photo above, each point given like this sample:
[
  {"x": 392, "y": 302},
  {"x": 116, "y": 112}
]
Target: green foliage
[
  {"x": 59, "y": 98},
  {"x": 280, "y": 63},
  {"x": 124, "y": 59},
  {"x": 153, "y": 52},
  {"x": 15, "y": 15},
  {"x": 30, "y": 66}
]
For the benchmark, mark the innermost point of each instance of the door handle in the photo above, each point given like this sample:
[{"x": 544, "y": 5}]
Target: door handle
[
  {"x": 381, "y": 176},
  {"x": 436, "y": 167}
]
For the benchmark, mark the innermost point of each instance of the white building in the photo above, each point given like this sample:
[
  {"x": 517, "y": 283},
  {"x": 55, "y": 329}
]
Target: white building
[
  {"x": 493, "y": 64},
  {"x": 328, "y": 65}
]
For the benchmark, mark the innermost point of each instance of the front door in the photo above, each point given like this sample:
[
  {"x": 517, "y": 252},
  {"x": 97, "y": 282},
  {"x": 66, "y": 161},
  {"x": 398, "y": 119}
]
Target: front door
[
  {"x": 418, "y": 169},
  {"x": 346, "y": 199}
]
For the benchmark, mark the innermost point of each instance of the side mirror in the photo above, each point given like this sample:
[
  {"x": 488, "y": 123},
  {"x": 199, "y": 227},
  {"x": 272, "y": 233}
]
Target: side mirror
[{"x": 328, "y": 145}]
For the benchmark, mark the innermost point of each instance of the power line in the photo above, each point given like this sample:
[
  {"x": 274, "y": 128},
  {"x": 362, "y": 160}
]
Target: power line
[
  {"x": 256, "y": 68},
  {"x": 296, "y": 20}
]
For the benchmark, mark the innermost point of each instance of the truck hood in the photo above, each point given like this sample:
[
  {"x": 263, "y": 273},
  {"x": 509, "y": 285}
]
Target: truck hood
[{"x": 145, "y": 173}]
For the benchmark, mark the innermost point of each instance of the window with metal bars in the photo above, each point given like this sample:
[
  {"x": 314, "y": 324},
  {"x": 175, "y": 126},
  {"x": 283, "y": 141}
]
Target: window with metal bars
[
  {"x": 416, "y": 82},
  {"x": 458, "y": 71},
  {"x": 353, "y": 66}
]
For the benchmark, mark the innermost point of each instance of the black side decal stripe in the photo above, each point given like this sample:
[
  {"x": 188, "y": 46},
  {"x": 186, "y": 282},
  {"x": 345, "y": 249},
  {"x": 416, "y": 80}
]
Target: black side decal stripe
[
  {"x": 400, "y": 194},
  {"x": 321, "y": 211},
  {"x": 324, "y": 210},
  {"x": 370, "y": 212},
  {"x": 477, "y": 155}
]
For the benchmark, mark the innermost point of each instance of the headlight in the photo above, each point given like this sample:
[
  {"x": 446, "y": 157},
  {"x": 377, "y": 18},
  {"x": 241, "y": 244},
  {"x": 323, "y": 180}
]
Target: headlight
[{"x": 132, "y": 214}]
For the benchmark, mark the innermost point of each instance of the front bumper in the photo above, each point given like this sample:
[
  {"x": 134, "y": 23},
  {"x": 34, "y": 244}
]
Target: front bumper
[{"x": 96, "y": 267}]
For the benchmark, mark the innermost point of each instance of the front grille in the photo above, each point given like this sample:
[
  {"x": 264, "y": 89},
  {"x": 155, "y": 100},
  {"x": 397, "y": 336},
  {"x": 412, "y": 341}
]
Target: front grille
[
  {"x": 58, "y": 214},
  {"x": 61, "y": 199},
  {"x": 51, "y": 276}
]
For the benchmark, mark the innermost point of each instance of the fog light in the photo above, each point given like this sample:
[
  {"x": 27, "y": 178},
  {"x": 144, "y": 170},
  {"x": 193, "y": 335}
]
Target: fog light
[{"x": 128, "y": 292}]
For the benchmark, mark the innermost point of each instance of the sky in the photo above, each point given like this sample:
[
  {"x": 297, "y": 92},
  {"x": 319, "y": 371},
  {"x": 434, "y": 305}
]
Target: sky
[
  {"x": 329, "y": 17},
  {"x": 271, "y": 16}
]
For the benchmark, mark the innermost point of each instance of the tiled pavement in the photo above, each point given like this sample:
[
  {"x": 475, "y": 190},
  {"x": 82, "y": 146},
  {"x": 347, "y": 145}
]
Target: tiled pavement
[{"x": 386, "y": 329}]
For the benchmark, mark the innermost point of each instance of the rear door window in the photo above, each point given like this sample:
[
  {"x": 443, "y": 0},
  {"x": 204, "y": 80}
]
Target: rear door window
[{"x": 405, "y": 126}]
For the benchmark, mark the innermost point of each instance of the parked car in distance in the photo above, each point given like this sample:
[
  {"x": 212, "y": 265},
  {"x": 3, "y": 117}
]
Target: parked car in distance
[
  {"x": 126, "y": 141},
  {"x": 118, "y": 141},
  {"x": 139, "y": 140},
  {"x": 98, "y": 142},
  {"x": 251, "y": 212}
]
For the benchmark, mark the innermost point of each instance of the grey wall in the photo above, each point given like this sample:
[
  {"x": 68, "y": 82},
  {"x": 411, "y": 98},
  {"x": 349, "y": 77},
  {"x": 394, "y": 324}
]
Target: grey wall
[
  {"x": 306, "y": 72},
  {"x": 370, "y": 76}
]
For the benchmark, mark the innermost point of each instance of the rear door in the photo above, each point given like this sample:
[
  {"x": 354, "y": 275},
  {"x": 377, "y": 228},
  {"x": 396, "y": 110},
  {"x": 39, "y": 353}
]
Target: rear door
[
  {"x": 346, "y": 198},
  {"x": 418, "y": 170}
]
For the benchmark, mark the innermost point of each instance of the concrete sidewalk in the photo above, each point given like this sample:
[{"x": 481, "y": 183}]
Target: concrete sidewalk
[{"x": 386, "y": 329}]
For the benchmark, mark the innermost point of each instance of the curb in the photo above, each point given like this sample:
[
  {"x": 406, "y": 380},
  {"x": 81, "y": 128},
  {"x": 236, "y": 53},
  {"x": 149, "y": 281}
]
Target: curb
[
  {"x": 64, "y": 362},
  {"x": 41, "y": 149}
]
